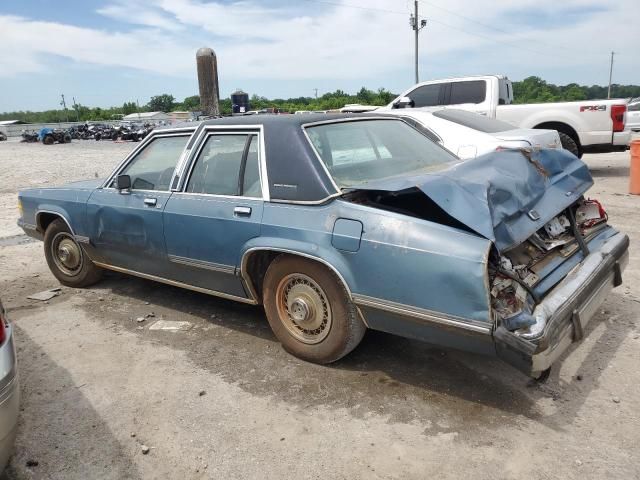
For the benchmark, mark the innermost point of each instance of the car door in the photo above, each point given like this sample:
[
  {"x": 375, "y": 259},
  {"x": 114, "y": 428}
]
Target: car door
[
  {"x": 125, "y": 227},
  {"x": 217, "y": 211}
]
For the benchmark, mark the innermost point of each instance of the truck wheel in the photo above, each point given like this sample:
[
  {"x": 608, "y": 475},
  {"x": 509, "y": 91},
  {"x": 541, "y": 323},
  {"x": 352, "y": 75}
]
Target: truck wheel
[
  {"x": 569, "y": 143},
  {"x": 310, "y": 311},
  {"x": 66, "y": 259}
]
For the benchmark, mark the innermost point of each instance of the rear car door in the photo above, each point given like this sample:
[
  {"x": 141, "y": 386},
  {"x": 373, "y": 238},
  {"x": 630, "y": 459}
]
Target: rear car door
[
  {"x": 125, "y": 227},
  {"x": 218, "y": 209}
]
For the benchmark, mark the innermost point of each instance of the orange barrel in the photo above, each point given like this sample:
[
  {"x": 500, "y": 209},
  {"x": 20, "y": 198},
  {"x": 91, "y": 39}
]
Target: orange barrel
[{"x": 634, "y": 171}]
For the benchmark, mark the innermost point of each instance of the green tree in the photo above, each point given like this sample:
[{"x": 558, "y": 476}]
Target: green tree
[
  {"x": 129, "y": 107},
  {"x": 191, "y": 103},
  {"x": 161, "y": 103}
]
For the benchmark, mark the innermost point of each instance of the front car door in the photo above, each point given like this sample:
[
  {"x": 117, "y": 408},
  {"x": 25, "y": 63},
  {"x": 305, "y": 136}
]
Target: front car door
[
  {"x": 217, "y": 210},
  {"x": 125, "y": 227}
]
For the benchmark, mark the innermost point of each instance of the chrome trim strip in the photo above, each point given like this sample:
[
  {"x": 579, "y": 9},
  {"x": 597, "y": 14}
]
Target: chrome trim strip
[
  {"x": 322, "y": 201},
  {"x": 264, "y": 174},
  {"x": 57, "y": 214},
  {"x": 423, "y": 314},
  {"x": 82, "y": 239},
  {"x": 231, "y": 197},
  {"x": 174, "y": 283},
  {"x": 192, "y": 262},
  {"x": 247, "y": 280}
]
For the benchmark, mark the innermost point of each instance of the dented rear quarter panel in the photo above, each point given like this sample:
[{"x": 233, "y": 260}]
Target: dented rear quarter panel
[{"x": 401, "y": 261}]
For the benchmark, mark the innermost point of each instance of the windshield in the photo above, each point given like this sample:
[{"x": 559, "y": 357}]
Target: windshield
[
  {"x": 473, "y": 120},
  {"x": 362, "y": 151}
]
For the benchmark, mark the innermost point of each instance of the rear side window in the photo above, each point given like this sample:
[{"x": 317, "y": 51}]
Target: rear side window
[
  {"x": 633, "y": 107},
  {"x": 227, "y": 165},
  {"x": 427, "y": 95},
  {"x": 474, "y": 91},
  {"x": 152, "y": 168}
]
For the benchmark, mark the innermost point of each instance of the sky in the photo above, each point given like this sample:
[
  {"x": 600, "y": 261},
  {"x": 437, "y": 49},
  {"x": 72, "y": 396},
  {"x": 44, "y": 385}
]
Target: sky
[{"x": 103, "y": 53}]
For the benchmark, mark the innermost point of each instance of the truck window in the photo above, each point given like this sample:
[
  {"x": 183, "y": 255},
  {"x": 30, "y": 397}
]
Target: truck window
[
  {"x": 426, "y": 96},
  {"x": 474, "y": 91},
  {"x": 503, "y": 92}
]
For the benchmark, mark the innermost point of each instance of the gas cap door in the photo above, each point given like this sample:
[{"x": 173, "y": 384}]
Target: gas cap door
[{"x": 347, "y": 234}]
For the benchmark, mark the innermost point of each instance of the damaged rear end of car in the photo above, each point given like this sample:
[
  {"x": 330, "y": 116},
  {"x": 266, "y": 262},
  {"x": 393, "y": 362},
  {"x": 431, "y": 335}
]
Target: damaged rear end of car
[{"x": 553, "y": 256}]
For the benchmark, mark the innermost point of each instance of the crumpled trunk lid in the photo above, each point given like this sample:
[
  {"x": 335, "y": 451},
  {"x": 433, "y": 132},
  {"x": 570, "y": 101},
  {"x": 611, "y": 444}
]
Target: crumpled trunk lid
[{"x": 503, "y": 196}]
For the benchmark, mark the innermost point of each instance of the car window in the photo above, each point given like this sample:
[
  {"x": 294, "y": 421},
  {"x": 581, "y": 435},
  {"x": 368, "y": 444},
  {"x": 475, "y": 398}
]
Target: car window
[
  {"x": 228, "y": 164},
  {"x": 474, "y": 91},
  {"x": 473, "y": 120},
  {"x": 426, "y": 96},
  {"x": 633, "y": 107},
  {"x": 152, "y": 168},
  {"x": 359, "y": 152}
]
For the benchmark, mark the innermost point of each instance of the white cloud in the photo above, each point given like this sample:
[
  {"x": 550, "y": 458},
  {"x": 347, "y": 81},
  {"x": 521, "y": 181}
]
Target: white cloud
[{"x": 317, "y": 40}]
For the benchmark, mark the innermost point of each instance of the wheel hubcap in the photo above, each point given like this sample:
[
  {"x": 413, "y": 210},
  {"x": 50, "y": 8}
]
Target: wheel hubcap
[
  {"x": 66, "y": 254},
  {"x": 303, "y": 308}
]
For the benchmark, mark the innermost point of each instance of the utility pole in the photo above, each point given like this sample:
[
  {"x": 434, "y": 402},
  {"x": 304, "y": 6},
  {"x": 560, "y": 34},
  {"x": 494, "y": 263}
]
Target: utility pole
[
  {"x": 416, "y": 25},
  {"x": 75, "y": 107},
  {"x": 316, "y": 92},
  {"x": 610, "y": 75},
  {"x": 64, "y": 106}
]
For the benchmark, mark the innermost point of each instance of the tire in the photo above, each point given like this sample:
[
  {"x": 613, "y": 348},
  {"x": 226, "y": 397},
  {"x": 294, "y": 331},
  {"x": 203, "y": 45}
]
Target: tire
[
  {"x": 48, "y": 140},
  {"x": 75, "y": 269},
  {"x": 67, "y": 138},
  {"x": 296, "y": 287},
  {"x": 569, "y": 144}
]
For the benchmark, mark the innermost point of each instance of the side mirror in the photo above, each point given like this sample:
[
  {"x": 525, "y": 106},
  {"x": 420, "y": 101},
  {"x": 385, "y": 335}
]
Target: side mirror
[
  {"x": 404, "y": 102},
  {"x": 123, "y": 182}
]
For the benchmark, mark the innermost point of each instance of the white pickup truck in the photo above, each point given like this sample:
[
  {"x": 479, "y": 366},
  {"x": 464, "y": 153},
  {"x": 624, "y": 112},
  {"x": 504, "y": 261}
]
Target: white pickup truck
[{"x": 585, "y": 126}]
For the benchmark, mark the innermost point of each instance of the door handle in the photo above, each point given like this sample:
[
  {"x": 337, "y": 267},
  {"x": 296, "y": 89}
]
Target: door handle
[
  {"x": 151, "y": 201},
  {"x": 242, "y": 211}
]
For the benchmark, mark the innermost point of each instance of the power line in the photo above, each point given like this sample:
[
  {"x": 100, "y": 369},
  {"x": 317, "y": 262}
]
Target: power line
[
  {"x": 493, "y": 27},
  {"x": 447, "y": 25}
]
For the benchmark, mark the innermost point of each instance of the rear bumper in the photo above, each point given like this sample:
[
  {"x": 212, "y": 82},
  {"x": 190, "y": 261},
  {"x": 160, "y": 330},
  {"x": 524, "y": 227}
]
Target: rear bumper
[
  {"x": 622, "y": 139},
  {"x": 565, "y": 311}
]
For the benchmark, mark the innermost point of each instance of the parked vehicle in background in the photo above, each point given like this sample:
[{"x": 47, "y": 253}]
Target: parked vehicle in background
[
  {"x": 49, "y": 136},
  {"x": 29, "y": 136},
  {"x": 9, "y": 390},
  {"x": 585, "y": 126},
  {"x": 633, "y": 115},
  {"x": 468, "y": 134},
  {"x": 336, "y": 223}
]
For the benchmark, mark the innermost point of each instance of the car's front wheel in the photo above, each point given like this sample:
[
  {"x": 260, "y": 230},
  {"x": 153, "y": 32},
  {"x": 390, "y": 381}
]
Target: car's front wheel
[
  {"x": 310, "y": 311},
  {"x": 66, "y": 259}
]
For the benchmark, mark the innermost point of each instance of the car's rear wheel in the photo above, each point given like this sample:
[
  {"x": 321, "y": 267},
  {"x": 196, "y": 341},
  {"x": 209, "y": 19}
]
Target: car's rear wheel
[
  {"x": 310, "y": 311},
  {"x": 66, "y": 259}
]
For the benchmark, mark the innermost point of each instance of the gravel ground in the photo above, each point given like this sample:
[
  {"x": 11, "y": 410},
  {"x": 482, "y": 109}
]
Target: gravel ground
[{"x": 223, "y": 400}]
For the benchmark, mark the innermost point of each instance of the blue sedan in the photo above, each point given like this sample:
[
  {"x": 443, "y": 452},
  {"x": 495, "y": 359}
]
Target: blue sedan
[{"x": 338, "y": 223}]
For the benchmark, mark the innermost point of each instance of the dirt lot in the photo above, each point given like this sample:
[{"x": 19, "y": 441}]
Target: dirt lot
[{"x": 223, "y": 400}]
